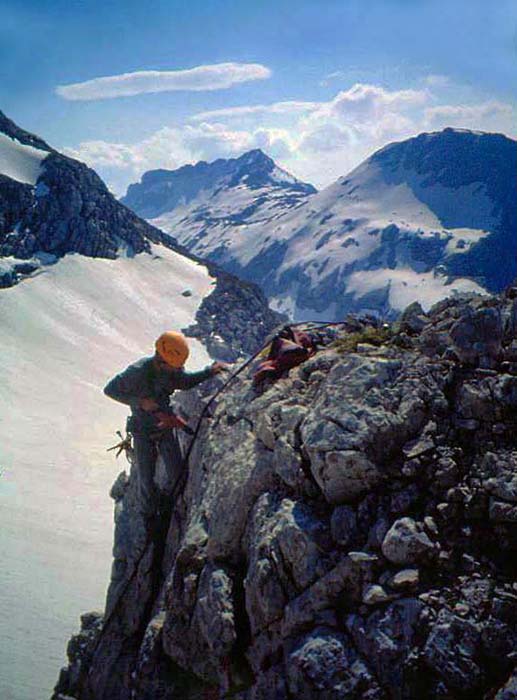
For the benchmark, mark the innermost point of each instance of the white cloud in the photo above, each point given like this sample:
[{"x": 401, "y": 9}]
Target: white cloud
[
  {"x": 327, "y": 137},
  {"x": 363, "y": 101},
  {"x": 468, "y": 115},
  {"x": 316, "y": 141},
  {"x": 336, "y": 75},
  {"x": 211, "y": 77},
  {"x": 279, "y": 108}
]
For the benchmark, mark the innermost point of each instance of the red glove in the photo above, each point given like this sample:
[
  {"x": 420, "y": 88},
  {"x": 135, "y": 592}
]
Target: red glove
[{"x": 166, "y": 420}]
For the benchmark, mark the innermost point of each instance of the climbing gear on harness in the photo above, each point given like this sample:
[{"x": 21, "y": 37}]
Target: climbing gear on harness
[
  {"x": 124, "y": 445},
  {"x": 173, "y": 348}
]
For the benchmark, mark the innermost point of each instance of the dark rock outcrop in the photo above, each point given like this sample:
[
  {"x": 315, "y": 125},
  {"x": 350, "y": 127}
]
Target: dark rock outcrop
[
  {"x": 234, "y": 319},
  {"x": 69, "y": 211},
  {"x": 350, "y": 531},
  {"x": 8, "y": 127}
]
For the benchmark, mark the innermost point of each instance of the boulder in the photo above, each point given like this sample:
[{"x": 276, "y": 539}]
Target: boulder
[
  {"x": 406, "y": 542},
  {"x": 477, "y": 336},
  {"x": 451, "y": 651},
  {"x": 324, "y": 664}
]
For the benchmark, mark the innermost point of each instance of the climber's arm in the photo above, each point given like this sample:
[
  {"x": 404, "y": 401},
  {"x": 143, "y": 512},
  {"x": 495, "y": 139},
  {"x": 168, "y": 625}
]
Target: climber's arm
[{"x": 128, "y": 387}]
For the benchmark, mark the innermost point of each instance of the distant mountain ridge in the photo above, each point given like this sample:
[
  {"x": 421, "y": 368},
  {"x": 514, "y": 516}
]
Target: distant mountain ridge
[
  {"x": 485, "y": 162},
  {"x": 415, "y": 221},
  {"x": 162, "y": 190}
]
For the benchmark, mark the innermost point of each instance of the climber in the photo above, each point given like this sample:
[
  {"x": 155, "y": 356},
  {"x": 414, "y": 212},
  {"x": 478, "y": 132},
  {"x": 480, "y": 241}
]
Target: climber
[{"x": 146, "y": 387}]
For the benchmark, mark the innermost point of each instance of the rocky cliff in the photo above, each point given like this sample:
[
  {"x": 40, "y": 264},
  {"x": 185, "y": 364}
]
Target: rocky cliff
[
  {"x": 347, "y": 532},
  {"x": 63, "y": 207}
]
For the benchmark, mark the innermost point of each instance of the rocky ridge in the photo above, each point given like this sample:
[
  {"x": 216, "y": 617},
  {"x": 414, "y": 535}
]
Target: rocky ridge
[
  {"x": 68, "y": 210},
  {"x": 349, "y": 531}
]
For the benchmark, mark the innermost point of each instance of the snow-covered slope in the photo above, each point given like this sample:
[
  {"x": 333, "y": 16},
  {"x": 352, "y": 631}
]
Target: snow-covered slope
[
  {"x": 64, "y": 334},
  {"x": 417, "y": 221},
  {"x": 19, "y": 161}
]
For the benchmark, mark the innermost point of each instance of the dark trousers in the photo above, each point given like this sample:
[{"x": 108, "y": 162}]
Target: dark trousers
[{"x": 146, "y": 451}]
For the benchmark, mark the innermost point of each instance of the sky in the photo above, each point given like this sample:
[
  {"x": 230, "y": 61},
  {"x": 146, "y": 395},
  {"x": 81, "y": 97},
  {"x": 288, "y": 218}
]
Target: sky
[{"x": 128, "y": 86}]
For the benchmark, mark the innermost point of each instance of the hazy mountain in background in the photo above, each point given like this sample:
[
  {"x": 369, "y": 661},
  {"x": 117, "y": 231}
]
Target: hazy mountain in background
[
  {"x": 414, "y": 222},
  {"x": 253, "y": 179}
]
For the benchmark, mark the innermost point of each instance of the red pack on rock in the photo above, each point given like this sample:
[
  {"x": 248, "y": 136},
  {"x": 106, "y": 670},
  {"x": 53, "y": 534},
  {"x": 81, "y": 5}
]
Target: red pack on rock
[{"x": 288, "y": 349}]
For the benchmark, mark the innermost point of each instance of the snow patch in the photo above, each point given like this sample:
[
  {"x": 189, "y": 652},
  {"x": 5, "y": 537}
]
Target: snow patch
[
  {"x": 20, "y": 162},
  {"x": 406, "y": 286}
]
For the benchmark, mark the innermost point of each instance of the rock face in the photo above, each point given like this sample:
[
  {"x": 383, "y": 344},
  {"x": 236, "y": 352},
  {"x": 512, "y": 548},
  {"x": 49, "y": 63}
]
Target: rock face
[
  {"x": 234, "y": 319},
  {"x": 414, "y": 221},
  {"x": 347, "y": 532},
  {"x": 65, "y": 209},
  {"x": 68, "y": 209}
]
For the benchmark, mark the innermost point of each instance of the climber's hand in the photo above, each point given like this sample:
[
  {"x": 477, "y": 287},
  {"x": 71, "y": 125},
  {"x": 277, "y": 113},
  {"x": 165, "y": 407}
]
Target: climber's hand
[
  {"x": 219, "y": 367},
  {"x": 148, "y": 405},
  {"x": 166, "y": 420}
]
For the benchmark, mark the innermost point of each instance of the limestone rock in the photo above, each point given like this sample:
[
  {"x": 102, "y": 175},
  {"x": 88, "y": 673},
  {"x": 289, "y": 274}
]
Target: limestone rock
[
  {"x": 286, "y": 556},
  {"x": 502, "y": 512},
  {"x": 343, "y": 525},
  {"x": 406, "y": 578},
  {"x": 346, "y": 475},
  {"x": 375, "y": 595},
  {"x": 301, "y": 557},
  {"x": 324, "y": 664},
  {"x": 478, "y": 335},
  {"x": 451, "y": 652},
  {"x": 385, "y": 638},
  {"x": 406, "y": 543}
]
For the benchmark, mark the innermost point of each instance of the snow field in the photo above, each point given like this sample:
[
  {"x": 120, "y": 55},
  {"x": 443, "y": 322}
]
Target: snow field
[
  {"x": 20, "y": 162},
  {"x": 65, "y": 333}
]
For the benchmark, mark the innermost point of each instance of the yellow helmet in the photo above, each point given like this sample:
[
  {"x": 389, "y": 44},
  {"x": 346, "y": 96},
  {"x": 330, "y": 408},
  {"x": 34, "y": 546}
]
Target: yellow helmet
[{"x": 172, "y": 347}]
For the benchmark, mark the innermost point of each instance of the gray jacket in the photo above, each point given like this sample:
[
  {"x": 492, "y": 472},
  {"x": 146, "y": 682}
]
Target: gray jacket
[{"x": 143, "y": 380}]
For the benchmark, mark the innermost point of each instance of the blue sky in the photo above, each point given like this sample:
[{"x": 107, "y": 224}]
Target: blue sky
[{"x": 365, "y": 73}]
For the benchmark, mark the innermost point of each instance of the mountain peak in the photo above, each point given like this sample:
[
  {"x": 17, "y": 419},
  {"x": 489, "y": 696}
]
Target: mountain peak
[
  {"x": 452, "y": 158},
  {"x": 256, "y": 157},
  {"x": 161, "y": 191}
]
